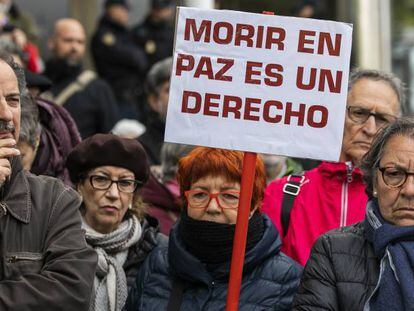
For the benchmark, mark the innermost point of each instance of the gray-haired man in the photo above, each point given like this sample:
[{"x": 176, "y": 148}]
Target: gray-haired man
[{"x": 45, "y": 263}]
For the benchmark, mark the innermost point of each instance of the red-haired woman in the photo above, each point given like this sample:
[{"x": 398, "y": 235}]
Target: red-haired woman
[{"x": 192, "y": 273}]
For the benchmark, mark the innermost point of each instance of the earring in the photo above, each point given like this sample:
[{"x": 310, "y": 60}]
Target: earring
[
  {"x": 375, "y": 193},
  {"x": 130, "y": 206}
]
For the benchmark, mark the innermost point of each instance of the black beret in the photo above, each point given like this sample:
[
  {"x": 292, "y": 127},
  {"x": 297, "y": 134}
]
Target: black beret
[
  {"x": 160, "y": 4},
  {"x": 108, "y": 149},
  {"x": 124, "y": 3}
]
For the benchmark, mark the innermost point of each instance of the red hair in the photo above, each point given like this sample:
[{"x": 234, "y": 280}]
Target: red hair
[{"x": 205, "y": 161}]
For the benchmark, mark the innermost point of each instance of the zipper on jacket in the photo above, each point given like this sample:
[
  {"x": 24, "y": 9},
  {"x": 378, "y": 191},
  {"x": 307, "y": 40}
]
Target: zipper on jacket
[
  {"x": 3, "y": 209},
  {"x": 349, "y": 170},
  {"x": 381, "y": 273},
  {"x": 344, "y": 194},
  {"x": 20, "y": 257}
]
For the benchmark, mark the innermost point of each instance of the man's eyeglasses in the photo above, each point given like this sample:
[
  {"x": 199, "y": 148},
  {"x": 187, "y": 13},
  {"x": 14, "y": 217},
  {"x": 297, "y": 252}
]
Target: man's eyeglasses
[
  {"x": 104, "y": 183},
  {"x": 201, "y": 198},
  {"x": 360, "y": 115},
  {"x": 394, "y": 177}
]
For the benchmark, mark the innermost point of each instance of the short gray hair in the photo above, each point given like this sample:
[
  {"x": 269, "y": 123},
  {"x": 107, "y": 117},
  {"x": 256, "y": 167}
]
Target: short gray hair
[
  {"x": 18, "y": 71},
  {"x": 376, "y": 75},
  {"x": 170, "y": 155},
  {"x": 371, "y": 160},
  {"x": 159, "y": 73}
]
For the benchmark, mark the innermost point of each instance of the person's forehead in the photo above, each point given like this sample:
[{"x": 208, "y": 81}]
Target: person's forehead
[
  {"x": 71, "y": 30},
  {"x": 8, "y": 79},
  {"x": 374, "y": 94},
  {"x": 399, "y": 148}
]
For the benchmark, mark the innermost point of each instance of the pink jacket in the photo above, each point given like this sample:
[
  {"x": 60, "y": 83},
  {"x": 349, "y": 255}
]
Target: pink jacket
[{"x": 332, "y": 195}]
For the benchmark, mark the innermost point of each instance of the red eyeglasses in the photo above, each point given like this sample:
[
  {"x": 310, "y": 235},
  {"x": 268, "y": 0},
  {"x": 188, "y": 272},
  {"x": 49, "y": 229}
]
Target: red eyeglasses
[{"x": 201, "y": 198}]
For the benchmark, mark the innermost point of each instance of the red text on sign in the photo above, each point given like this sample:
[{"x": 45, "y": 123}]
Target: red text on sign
[
  {"x": 318, "y": 78},
  {"x": 252, "y": 109},
  {"x": 268, "y": 37},
  {"x": 204, "y": 67},
  {"x": 272, "y": 72},
  {"x": 310, "y": 42}
]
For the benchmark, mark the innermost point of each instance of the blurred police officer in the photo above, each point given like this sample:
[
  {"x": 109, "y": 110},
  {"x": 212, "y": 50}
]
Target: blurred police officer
[
  {"x": 117, "y": 59},
  {"x": 156, "y": 34},
  {"x": 89, "y": 100}
]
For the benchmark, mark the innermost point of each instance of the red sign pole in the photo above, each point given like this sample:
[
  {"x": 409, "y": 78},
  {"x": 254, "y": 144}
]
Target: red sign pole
[{"x": 239, "y": 243}]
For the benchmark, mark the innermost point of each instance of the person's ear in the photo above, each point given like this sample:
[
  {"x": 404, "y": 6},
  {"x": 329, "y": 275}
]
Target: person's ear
[
  {"x": 153, "y": 102},
  {"x": 79, "y": 188}
]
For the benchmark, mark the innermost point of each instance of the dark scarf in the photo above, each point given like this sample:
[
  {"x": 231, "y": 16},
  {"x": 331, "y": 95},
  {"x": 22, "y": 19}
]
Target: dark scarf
[
  {"x": 212, "y": 242},
  {"x": 394, "y": 245}
]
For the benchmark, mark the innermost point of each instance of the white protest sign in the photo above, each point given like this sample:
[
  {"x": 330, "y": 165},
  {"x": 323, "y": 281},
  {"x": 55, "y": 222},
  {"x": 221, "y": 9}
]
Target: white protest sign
[{"x": 259, "y": 83}]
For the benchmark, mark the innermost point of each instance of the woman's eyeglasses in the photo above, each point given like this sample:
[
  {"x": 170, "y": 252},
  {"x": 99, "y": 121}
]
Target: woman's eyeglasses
[
  {"x": 393, "y": 176},
  {"x": 104, "y": 183},
  {"x": 201, "y": 198},
  {"x": 360, "y": 115}
]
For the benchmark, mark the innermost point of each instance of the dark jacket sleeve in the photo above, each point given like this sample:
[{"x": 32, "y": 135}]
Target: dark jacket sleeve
[
  {"x": 66, "y": 278},
  {"x": 317, "y": 290}
]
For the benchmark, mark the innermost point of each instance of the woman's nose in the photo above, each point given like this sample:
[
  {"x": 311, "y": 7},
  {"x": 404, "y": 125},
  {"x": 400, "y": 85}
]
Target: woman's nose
[
  {"x": 113, "y": 191},
  {"x": 408, "y": 187},
  {"x": 213, "y": 205}
]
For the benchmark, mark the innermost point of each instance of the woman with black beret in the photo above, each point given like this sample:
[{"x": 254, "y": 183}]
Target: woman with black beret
[{"x": 108, "y": 172}]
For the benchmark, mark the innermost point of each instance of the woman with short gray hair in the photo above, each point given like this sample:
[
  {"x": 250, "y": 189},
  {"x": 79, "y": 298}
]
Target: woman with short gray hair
[{"x": 369, "y": 266}]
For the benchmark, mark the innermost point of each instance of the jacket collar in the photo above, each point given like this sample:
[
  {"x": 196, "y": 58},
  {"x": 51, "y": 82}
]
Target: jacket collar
[
  {"x": 183, "y": 264},
  {"x": 339, "y": 169},
  {"x": 16, "y": 193}
]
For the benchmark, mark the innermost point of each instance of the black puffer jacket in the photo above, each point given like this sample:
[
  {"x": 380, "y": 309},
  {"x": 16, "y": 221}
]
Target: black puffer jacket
[
  {"x": 341, "y": 272},
  {"x": 269, "y": 283}
]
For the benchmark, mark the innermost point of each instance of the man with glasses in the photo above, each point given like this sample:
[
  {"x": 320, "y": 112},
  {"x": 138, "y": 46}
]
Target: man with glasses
[{"x": 333, "y": 195}]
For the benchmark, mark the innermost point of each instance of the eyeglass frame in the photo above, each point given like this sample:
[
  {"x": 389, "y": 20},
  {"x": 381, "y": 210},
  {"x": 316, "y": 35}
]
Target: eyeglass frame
[
  {"x": 369, "y": 113},
  {"x": 212, "y": 196},
  {"x": 407, "y": 173},
  {"x": 137, "y": 183}
]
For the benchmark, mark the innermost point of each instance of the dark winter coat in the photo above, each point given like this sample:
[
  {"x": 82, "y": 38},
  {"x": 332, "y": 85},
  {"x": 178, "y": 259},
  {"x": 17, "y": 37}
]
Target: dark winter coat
[
  {"x": 341, "y": 272},
  {"x": 155, "y": 38},
  {"x": 119, "y": 61},
  {"x": 93, "y": 108},
  {"x": 58, "y": 137},
  {"x": 269, "y": 283},
  {"x": 45, "y": 262}
]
